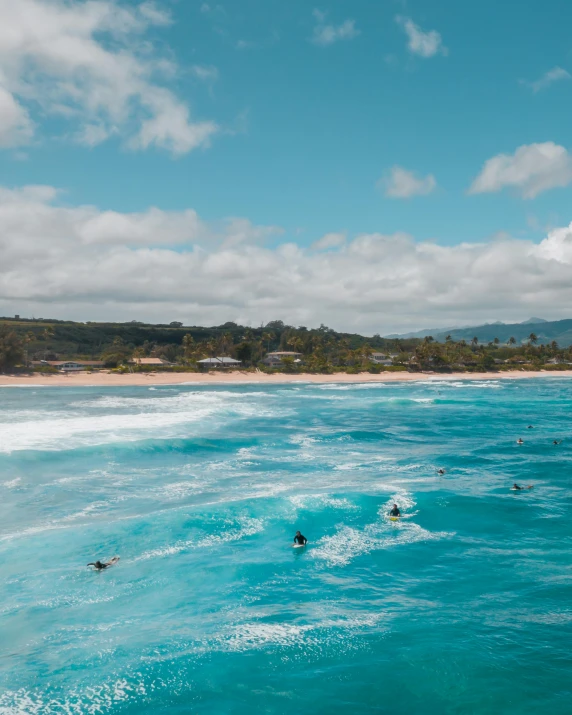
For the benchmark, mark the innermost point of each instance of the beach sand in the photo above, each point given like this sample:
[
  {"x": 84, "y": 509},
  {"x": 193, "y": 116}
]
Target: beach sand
[{"x": 107, "y": 379}]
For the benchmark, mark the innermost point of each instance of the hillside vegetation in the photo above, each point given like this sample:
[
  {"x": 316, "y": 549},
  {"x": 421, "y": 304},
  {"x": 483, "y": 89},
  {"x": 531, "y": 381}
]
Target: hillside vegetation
[{"x": 322, "y": 349}]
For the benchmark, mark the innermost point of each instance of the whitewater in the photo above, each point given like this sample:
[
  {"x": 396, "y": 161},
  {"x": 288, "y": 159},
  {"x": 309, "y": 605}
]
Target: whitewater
[{"x": 461, "y": 607}]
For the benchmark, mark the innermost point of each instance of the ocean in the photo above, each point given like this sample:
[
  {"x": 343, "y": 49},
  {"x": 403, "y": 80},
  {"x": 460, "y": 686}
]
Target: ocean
[{"x": 463, "y": 606}]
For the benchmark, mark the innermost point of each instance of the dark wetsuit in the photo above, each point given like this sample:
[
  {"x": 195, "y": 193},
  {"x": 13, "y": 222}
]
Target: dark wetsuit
[
  {"x": 299, "y": 539},
  {"x": 98, "y": 565},
  {"x": 395, "y": 512}
]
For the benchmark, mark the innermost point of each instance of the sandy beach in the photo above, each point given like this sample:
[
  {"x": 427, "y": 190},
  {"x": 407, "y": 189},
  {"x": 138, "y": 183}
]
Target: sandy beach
[{"x": 105, "y": 379}]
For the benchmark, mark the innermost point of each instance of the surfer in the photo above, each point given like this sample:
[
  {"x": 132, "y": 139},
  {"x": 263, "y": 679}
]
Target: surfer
[
  {"x": 520, "y": 441},
  {"x": 100, "y": 565},
  {"x": 518, "y": 488},
  {"x": 299, "y": 539},
  {"x": 440, "y": 471},
  {"x": 530, "y": 427},
  {"x": 557, "y": 441},
  {"x": 395, "y": 511}
]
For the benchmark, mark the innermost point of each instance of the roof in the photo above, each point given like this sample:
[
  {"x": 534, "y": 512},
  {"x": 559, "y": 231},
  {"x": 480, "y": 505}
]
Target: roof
[
  {"x": 150, "y": 361},
  {"x": 282, "y": 353},
  {"x": 219, "y": 361},
  {"x": 55, "y": 363}
]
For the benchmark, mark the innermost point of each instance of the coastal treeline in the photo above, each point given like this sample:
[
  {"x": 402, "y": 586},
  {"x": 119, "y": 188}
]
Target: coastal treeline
[{"x": 322, "y": 350}]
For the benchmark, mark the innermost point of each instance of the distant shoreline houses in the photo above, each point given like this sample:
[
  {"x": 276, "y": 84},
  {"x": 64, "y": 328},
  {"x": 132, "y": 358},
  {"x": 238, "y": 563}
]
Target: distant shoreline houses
[
  {"x": 276, "y": 359},
  {"x": 69, "y": 365}
]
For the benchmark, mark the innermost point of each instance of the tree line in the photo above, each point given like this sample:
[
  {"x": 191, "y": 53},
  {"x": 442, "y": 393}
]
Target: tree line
[{"x": 321, "y": 349}]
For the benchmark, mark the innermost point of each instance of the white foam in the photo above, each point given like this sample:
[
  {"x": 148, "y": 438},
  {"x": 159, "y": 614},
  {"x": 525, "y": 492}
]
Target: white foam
[
  {"x": 248, "y": 527},
  {"x": 70, "y": 432}
]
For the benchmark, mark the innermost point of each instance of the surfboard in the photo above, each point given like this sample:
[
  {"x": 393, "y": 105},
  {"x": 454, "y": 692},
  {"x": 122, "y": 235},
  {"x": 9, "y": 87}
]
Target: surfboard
[
  {"x": 298, "y": 546},
  {"x": 113, "y": 561},
  {"x": 394, "y": 518},
  {"x": 522, "y": 489}
]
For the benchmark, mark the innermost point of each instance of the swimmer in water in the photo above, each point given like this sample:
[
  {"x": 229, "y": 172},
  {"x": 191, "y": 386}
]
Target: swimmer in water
[
  {"x": 520, "y": 441},
  {"x": 557, "y": 441},
  {"x": 440, "y": 471},
  {"x": 99, "y": 566},
  {"x": 518, "y": 488},
  {"x": 395, "y": 511},
  {"x": 530, "y": 427},
  {"x": 299, "y": 539}
]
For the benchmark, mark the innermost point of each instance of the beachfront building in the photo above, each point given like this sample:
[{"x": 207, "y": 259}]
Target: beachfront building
[
  {"x": 218, "y": 363},
  {"x": 152, "y": 361},
  {"x": 69, "y": 365},
  {"x": 382, "y": 359},
  {"x": 275, "y": 359}
]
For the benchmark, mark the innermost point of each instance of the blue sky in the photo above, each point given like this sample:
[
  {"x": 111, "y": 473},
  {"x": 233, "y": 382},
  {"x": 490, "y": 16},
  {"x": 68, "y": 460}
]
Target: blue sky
[{"x": 309, "y": 110}]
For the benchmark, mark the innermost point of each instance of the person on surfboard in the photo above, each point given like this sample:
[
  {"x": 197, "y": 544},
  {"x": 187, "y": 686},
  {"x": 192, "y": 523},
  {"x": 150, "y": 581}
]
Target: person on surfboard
[
  {"x": 520, "y": 440},
  {"x": 518, "y": 488},
  {"x": 100, "y": 566},
  {"x": 299, "y": 539},
  {"x": 395, "y": 511}
]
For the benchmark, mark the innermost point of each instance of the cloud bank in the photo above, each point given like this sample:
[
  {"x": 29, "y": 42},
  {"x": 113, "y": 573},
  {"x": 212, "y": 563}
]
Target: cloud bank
[
  {"x": 91, "y": 66},
  {"x": 85, "y": 263}
]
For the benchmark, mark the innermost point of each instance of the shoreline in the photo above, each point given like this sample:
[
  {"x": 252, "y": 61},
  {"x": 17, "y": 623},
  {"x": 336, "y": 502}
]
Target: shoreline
[{"x": 237, "y": 377}]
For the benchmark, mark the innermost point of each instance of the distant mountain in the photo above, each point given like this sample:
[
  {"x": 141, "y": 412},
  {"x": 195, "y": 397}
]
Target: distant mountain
[
  {"x": 421, "y": 333},
  {"x": 534, "y": 320},
  {"x": 545, "y": 330}
]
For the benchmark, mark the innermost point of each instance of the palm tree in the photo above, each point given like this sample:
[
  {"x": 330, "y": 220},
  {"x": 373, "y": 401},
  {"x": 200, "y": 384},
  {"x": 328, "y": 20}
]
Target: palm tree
[
  {"x": 188, "y": 346},
  {"x": 474, "y": 342},
  {"x": 532, "y": 339},
  {"x": 511, "y": 341},
  {"x": 496, "y": 341},
  {"x": 267, "y": 337},
  {"x": 448, "y": 339}
]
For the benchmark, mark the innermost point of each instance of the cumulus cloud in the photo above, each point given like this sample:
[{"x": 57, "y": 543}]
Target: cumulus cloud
[
  {"x": 421, "y": 43},
  {"x": 403, "y": 184},
  {"x": 556, "y": 74},
  {"x": 89, "y": 64},
  {"x": 325, "y": 34},
  {"x": 532, "y": 169},
  {"x": 85, "y": 263}
]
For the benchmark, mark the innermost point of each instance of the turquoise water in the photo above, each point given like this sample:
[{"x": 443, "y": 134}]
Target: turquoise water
[{"x": 462, "y": 607}]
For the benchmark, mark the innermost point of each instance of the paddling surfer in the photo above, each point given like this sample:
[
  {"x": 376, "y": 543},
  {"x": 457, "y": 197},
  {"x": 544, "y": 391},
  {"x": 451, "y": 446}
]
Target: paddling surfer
[
  {"x": 101, "y": 565},
  {"x": 395, "y": 511},
  {"x": 300, "y": 539},
  {"x": 518, "y": 488}
]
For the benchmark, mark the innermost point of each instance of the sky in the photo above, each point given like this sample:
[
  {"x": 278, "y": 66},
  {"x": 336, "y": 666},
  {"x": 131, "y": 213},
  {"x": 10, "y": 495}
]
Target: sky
[{"x": 378, "y": 167}]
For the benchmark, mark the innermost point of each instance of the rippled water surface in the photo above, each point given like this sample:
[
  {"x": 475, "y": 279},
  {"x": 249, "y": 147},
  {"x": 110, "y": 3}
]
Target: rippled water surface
[{"x": 465, "y": 606}]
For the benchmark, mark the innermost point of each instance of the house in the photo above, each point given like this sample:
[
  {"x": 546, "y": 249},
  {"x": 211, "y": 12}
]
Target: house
[
  {"x": 382, "y": 359},
  {"x": 218, "y": 363},
  {"x": 275, "y": 359},
  {"x": 149, "y": 361},
  {"x": 69, "y": 365}
]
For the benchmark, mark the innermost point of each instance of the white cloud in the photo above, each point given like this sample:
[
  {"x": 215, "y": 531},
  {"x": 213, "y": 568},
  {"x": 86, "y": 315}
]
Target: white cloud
[
  {"x": 88, "y": 64},
  {"x": 421, "y": 43},
  {"x": 556, "y": 74},
  {"x": 16, "y": 127},
  {"x": 85, "y": 263},
  {"x": 325, "y": 34},
  {"x": 403, "y": 184},
  {"x": 206, "y": 73},
  {"x": 329, "y": 240},
  {"x": 532, "y": 169}
]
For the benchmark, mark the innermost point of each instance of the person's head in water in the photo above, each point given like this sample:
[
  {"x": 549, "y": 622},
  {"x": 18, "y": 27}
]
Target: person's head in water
[{"x": 298, "y": 533}]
